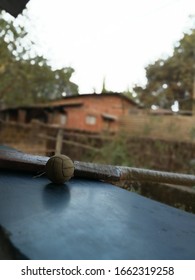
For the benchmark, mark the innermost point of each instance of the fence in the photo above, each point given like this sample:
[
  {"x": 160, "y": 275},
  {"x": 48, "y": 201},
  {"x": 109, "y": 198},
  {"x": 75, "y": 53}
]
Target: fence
[
  {"x": 41, "y": 139},
  {"x": 37, "y": 138},
  {"x": 23, "y": 137}
]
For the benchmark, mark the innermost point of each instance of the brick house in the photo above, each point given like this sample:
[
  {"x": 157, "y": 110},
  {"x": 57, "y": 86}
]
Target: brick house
[
  {"x": 87, "y": 112},
  {"x": 92, "y": 112}
]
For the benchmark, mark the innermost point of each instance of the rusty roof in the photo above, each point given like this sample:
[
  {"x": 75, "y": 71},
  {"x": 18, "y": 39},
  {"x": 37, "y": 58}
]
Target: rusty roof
[
  {"x": 70, "y": 101},
  {"x": 93, "y": 95}
]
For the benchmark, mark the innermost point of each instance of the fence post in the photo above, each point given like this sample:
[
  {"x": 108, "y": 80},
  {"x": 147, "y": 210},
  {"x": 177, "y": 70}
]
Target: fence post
[{"x": 59, "y": 140}]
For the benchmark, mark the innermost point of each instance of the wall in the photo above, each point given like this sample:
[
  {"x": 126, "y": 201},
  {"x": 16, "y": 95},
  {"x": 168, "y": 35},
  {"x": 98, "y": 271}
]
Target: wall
[{"x": 174, "y": 127}]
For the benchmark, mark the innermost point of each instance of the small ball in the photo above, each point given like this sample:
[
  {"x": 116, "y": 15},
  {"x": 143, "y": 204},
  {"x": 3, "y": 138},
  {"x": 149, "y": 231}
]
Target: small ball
[{"x": 59, "y": 169}]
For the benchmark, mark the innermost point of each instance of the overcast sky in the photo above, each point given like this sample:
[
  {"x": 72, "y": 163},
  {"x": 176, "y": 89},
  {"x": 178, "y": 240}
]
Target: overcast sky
[{"x": 111, "y": 39}]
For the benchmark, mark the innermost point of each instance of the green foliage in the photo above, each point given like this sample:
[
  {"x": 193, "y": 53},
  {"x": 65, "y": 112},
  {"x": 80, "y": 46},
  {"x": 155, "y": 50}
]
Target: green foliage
[
  {"x": 115, "y": 152},
  {"x": 192, "y": 133},
  {"x": 147, "y": 129},
  {"x": 171, "y": 79},
  {"x": 131, "y": 94},
  {"x": 26, "y": 78}
]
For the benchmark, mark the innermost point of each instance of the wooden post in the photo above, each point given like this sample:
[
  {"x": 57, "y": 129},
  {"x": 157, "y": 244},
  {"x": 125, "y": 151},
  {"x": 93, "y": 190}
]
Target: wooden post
[
  {"x": 193, "y": 98},
  {"x": 59, "y": 139},
  {"x": 193, "y": 87}
]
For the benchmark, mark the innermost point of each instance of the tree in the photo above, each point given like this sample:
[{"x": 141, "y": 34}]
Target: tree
[
  {"x": 171, "y": 79},
  {"x": 26, "y": 78},
  {"x": 131, "y": 94},
  {"x": 104, "y": 90}
]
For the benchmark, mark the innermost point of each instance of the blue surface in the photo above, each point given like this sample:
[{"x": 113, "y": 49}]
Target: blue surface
[{"x": 90, "y": 220}]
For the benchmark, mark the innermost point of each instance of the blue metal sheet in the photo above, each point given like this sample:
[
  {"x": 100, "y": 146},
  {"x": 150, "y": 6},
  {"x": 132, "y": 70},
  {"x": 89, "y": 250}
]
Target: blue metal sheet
[{"x": 87, "y": 219}]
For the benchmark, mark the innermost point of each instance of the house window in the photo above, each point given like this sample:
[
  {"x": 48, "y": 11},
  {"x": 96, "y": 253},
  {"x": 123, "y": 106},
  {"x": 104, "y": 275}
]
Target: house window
[
  {"x": 63, "y": 119},
  {"x": 91, "y": 120}
]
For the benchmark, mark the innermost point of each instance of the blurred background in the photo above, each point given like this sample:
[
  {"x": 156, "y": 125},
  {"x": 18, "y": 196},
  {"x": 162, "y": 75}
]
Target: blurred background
[{"x": 114, "y": 79}]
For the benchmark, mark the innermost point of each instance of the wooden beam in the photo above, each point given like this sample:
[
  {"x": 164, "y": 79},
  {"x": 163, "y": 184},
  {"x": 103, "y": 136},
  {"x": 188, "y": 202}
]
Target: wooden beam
[
  {"x": 69, "y": 142},
  {"x": 12, "y": 160}
]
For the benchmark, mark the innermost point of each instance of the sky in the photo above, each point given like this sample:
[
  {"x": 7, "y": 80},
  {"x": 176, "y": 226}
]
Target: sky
[{"x": 111, "y": 40}]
